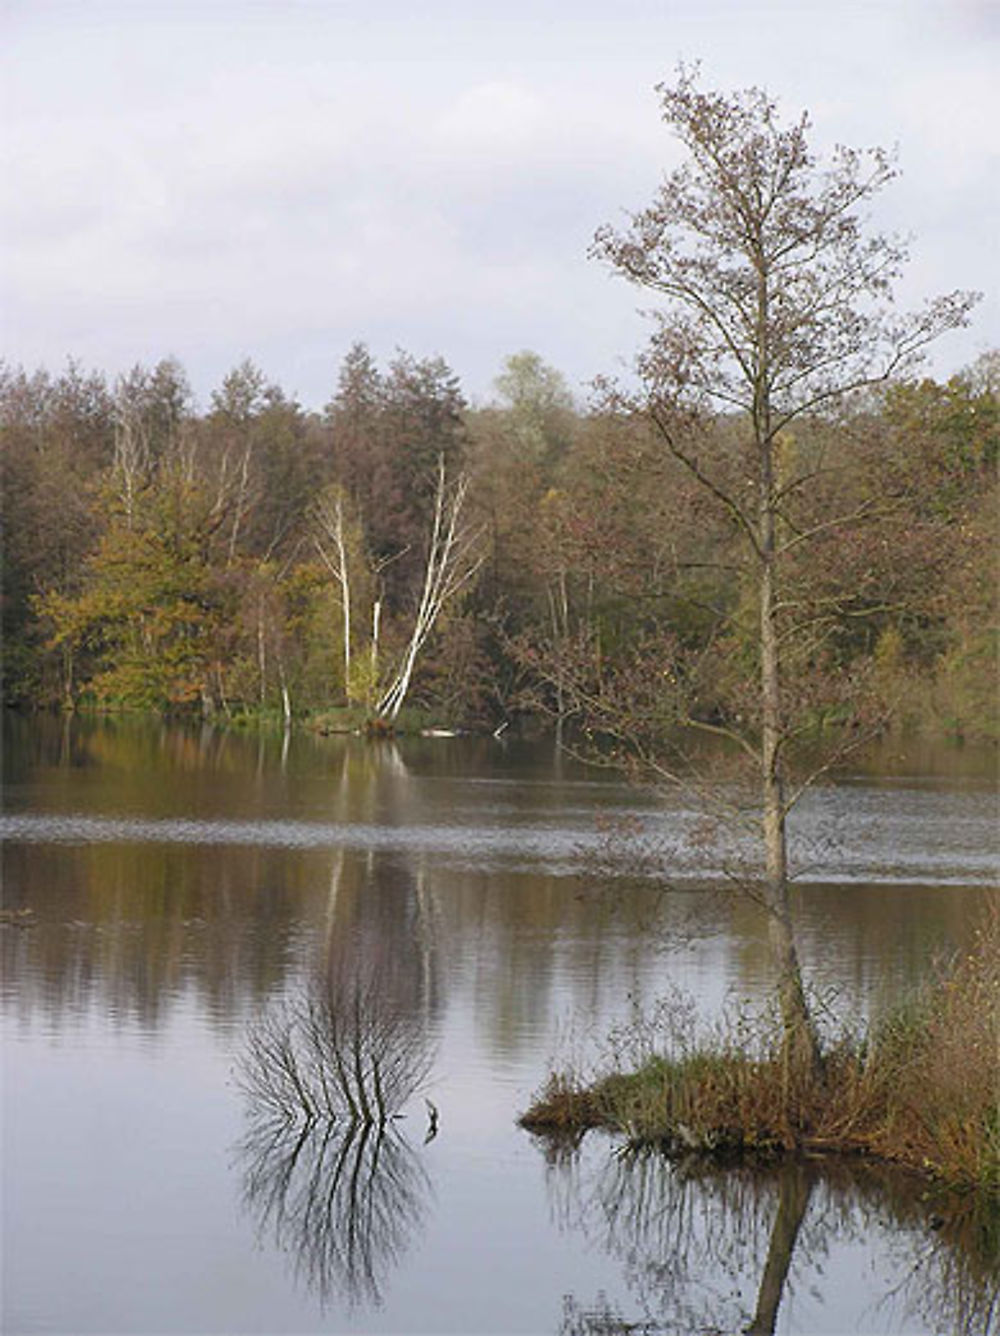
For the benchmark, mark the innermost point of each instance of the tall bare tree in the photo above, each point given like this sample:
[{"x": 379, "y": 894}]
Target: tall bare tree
[{"x": 777, "y": 307}]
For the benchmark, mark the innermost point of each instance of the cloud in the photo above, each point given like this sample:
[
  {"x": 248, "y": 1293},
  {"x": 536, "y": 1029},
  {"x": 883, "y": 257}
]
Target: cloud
[
  {"x": 283, "y": 184},
  {"x": 491, "y": 117}
]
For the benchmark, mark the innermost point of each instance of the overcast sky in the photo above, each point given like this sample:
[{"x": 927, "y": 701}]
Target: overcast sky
[{"x": 231, "y": 178}]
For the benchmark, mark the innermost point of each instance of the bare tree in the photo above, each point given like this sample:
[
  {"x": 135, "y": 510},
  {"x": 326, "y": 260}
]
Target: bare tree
[
  {"x": 236, "y": 405},
  {"x": 342, "y": 1051},
  {"x": 324, "y": 1165},
  {"x": 777, "y": 308},
  {"x": 150, "y": 411}
]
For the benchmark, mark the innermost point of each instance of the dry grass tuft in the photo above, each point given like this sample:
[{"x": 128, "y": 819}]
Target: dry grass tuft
[{"x": 925, "y": 1089}]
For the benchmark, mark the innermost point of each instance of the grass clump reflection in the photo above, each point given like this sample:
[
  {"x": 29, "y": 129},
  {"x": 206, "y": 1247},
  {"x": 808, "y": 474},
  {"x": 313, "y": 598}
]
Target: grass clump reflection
[{"x": 920, "y": 1088}]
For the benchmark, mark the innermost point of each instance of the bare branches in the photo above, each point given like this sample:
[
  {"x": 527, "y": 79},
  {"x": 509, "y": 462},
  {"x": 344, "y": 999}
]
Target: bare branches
[
  {"x": 342, "y": 1051},
  {"x": 752, "y": 206},
  {"x": 674, "y": 443},
  {"x": 323, "y": 1167},
  {"x": 345, "y": 1202},
  {"x": 863, "y": 510}
]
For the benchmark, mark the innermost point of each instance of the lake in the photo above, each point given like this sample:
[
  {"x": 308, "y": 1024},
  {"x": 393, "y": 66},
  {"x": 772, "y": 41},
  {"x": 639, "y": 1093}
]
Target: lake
[{"x": 184, "y": 885}]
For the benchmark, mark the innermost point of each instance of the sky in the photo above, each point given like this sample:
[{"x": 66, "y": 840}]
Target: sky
[{"x": 223, "y": 179}]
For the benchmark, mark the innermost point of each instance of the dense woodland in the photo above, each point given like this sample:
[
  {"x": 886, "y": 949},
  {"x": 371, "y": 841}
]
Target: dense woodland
[{"x": 257, "y": 558}]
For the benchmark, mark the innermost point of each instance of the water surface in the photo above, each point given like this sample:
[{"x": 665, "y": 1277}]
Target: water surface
[{"x": 183, "y": 884}]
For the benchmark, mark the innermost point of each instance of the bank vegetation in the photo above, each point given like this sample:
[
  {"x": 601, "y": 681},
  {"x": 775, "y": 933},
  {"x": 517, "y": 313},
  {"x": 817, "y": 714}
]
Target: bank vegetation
[
  {"x": 918, "y": 1086},
  {"x": 258, "y": 560}
]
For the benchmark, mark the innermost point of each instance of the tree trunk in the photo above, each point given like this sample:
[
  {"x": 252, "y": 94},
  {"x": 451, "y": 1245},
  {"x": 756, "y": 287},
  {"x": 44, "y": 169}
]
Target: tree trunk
[
  {"x": 330, "y": 521},
  {"x": 261, "y": 653},
  {"x": 452, "y": 560},
  {"x": 286, "y": 700},
  {"x": 376, "y": 623},
  {"x": 240, "y": 507},
  {"x": 801, "y": 1046},
  {"x": 345, "y": 602},
  {"x": 69, "y": 699}
]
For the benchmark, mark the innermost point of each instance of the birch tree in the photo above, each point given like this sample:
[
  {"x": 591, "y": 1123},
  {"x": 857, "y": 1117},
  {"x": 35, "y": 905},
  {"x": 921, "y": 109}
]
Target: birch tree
[
  {"x": 454, "y": 556},
  {"x": 132, "y": 452},
  {"x": 332, "y": 542},
  {"x": 776, "y": 306}
]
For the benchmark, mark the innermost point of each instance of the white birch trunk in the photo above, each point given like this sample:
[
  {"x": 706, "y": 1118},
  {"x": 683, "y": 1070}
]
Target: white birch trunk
[
  {"x": 452, "y": 560},
  {"x": 330, "y": 518}
]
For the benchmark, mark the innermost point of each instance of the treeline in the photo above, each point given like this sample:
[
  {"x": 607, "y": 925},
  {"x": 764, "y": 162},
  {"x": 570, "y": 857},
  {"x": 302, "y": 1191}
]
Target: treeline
[{"x": 530, "y": 556}]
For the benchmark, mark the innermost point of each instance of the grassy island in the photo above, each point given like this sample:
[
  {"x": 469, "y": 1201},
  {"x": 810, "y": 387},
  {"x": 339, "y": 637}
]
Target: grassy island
[{"x": 920, "y": 1087}]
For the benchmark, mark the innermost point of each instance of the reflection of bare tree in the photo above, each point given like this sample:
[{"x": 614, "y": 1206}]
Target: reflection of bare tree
[
  {"x": 693, "y": 1239},
  {"x": 344, "y": 1199},
  {"x": 326, "y": 1072}
]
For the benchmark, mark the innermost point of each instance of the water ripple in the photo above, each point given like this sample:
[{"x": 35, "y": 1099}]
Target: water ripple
[{"x": 552, "y": 848}]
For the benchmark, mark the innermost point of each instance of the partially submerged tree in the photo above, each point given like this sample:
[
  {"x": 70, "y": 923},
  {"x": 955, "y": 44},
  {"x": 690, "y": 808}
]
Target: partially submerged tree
[
  {"x": 326, "y": 1074},
  {"x": 342, "y": 1051},
  {"x": 777, "y": 309}
]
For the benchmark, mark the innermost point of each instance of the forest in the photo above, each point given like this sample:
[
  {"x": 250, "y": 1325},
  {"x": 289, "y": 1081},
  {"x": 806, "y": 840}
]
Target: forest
[{"x": 528, "y": 559}]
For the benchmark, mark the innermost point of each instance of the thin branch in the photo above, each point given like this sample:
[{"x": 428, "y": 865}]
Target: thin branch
[{"x": 733, "y": 506}]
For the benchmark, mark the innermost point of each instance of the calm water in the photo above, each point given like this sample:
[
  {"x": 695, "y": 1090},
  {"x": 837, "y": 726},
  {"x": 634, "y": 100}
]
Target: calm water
[{"x": 183, "y": 885}]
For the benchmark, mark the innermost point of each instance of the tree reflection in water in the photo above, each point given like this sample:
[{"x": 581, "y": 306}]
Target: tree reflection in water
[
  {"x": 326, "y": 1172},
  {"x": 709, "y": 1249},
  {"x": 343, "y": 1199}
]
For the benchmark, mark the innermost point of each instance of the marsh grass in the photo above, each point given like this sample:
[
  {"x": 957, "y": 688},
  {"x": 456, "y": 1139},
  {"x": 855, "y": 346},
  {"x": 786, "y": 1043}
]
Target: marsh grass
[{"x": 921, "y": 1087}]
